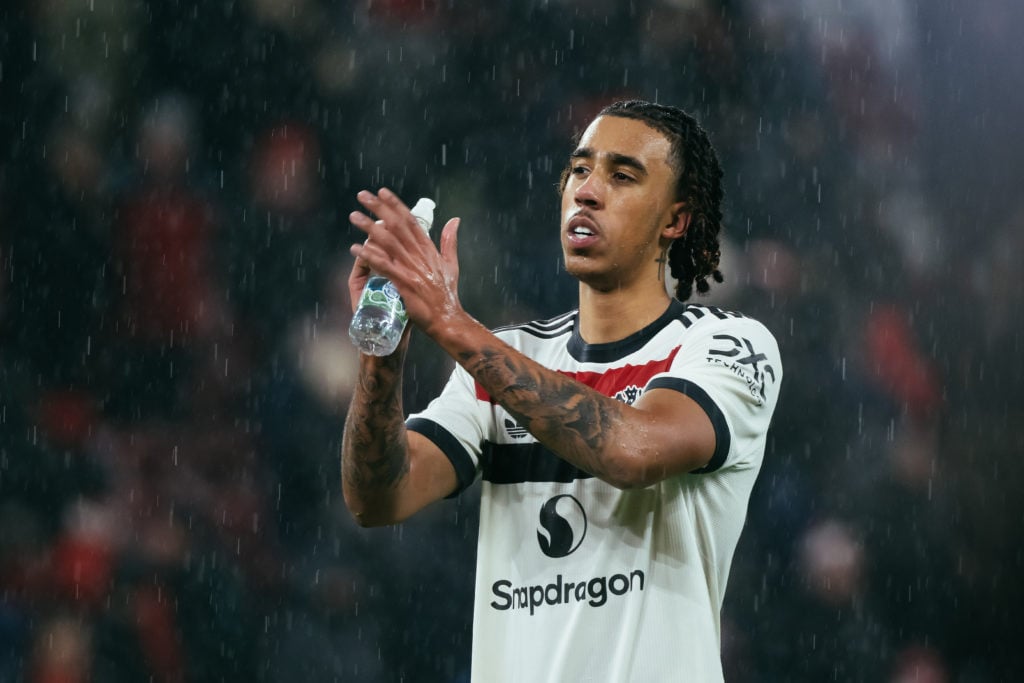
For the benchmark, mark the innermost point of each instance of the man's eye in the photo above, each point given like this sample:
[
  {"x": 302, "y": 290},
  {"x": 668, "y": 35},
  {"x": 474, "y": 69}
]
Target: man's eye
[
  {"x": 623, "y": 177},
  {"x": 577, "y": 170}
]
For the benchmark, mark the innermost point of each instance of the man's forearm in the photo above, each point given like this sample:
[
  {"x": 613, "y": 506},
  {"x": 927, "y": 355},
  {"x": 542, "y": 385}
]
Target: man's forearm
[
  {"x": 573, "y": 420},
  {"x": 374, "y": 456}
]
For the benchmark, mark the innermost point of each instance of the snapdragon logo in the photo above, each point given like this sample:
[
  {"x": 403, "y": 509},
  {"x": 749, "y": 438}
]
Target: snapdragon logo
[
  {"x": 563, "y": 526},
  {"x": 593, "y": 591}
]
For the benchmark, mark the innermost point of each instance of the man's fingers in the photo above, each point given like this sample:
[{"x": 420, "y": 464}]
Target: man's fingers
[
  {"x": 378, "y": 230},
  {"x": 362, "y": 221},
  {"x": 370, "y": 255},
  {"x": 387, "y": 207},
  {"x": 450, "y": 242},
  {"x": 395, "y": 244},
  {"x": 360, "y": 263},
  {"x": 392, "y": 200}
]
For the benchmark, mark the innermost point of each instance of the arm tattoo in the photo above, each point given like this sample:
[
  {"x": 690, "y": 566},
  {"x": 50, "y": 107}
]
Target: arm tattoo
[
  {"x": 573, "y": 420},
  {"x": 373, "y": 452}
]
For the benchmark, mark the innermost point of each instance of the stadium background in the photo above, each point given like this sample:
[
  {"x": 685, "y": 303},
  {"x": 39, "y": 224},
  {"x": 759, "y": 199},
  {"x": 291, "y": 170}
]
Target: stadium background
[{"x": 174, "y": 182}]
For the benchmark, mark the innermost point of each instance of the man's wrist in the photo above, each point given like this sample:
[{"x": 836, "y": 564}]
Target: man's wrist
[{"x": 453, "y": 332}]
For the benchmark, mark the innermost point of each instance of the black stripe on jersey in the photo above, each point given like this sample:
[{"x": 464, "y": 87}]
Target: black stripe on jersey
[
  {"x": 547, "y": 335},
  {"x": 517, "y": 463},
  {"x": 557, "y": 321},
  {"x": 695, "y": 312},
  {"x": 723, "y": 439},
  {"x": 544, "y": 329},
  {"x": 465, "y": 470}
]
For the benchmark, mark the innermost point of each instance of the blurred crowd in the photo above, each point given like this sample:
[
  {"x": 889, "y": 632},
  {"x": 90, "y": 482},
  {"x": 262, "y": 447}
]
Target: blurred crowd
[{"x": 175, "y": 368}]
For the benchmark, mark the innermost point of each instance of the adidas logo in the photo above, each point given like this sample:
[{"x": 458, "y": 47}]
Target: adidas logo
[{"x": 514, "y": 430}]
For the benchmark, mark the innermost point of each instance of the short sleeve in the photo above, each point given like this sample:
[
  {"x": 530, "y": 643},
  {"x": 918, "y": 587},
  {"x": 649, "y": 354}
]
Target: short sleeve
[
  {"x": 732, "y": 368},
  {"x": 457, "y": 422}
]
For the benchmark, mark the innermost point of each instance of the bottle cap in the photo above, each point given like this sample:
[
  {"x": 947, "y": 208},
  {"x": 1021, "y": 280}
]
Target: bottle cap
[{"x": 424, "y": 213}]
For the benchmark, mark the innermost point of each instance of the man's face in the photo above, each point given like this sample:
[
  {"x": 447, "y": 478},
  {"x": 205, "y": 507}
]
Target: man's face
[{"x": 618, "y": 204}]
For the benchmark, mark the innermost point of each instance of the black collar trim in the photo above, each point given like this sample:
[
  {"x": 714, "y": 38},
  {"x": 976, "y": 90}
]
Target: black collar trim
[{"x": 613, "y": 351}]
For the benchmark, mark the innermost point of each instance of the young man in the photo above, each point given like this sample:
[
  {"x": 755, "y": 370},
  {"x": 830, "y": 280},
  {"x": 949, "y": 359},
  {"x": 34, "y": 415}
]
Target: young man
[{"x": 617, "y": 443}]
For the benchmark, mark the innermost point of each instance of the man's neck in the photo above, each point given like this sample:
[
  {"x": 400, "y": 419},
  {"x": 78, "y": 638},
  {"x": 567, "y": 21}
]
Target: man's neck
[{"x": 614, "y": 315}]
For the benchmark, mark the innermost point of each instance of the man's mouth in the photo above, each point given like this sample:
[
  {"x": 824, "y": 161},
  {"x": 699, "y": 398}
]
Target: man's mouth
[{"x": 581, "y": 227}]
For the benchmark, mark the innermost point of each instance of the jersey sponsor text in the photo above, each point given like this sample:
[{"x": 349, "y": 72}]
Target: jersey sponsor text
[{"x": 593, "y": 591}]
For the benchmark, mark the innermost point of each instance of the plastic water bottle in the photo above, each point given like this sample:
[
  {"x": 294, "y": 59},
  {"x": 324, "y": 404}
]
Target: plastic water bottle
[{"x": 380, "y": 318}]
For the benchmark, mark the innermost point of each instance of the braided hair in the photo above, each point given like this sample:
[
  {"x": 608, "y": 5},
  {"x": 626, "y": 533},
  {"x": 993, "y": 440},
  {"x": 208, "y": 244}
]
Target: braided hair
[{"x": 694, "y": 257}]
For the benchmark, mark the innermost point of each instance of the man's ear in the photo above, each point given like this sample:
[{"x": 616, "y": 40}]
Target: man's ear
[{"x": 680, "y": 222}]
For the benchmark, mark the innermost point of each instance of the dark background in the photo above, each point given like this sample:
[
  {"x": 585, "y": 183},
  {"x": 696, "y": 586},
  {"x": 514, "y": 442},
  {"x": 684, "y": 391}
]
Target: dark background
[{"x": 174, "y": 367}]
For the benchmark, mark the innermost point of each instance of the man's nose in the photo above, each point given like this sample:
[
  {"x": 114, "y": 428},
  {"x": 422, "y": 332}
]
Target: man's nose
[{"x": 590, "y": 192}]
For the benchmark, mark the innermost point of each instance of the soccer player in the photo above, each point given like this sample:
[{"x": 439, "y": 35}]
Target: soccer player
[{"x": 617, "y": 444}]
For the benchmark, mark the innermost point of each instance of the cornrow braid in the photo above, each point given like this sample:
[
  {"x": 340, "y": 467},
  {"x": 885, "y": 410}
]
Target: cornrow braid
[{"x": 694, "y": 257}]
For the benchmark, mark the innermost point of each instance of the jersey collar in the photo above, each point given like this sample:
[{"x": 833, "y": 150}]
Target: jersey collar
[{"x": 613, "y": 351}]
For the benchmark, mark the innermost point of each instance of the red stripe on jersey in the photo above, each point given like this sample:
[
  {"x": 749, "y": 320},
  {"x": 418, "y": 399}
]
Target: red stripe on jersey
[{"x": 611, "y": 381}]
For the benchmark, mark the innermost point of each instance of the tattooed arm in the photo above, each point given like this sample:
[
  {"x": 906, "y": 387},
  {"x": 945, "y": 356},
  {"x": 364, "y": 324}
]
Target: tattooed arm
[
  {"x": 664, "y": 433},
  {"x": 387, "y": 474}
]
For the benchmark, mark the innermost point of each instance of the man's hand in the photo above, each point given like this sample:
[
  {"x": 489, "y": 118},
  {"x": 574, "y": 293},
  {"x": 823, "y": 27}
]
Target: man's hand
[
  {"x": 357, "y": 278},
  {"x": 398, "y": 249},
  {"x": 388, "y": 473}
]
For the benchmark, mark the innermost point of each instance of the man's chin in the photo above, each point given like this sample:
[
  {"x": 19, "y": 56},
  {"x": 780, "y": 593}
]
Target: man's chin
[
  {"x": 588, "y": 275},
  {"x": 579, "y": 268}
]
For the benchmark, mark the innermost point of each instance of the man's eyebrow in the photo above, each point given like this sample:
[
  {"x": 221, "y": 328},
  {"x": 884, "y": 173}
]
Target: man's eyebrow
[{"x": 614, "y": 157}]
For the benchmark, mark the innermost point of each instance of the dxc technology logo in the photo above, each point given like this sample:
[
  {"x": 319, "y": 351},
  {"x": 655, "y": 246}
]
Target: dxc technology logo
[
  {"x": 563, "y": 526},
  {"x": 745, "y": 362}
]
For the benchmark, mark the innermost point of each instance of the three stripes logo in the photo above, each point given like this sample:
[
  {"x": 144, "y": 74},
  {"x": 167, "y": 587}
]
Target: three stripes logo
[{"x": 514, "y": 430}]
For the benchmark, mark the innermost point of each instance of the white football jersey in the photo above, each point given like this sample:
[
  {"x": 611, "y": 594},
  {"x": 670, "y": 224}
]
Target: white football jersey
[{"x": 580, "y": 581}]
